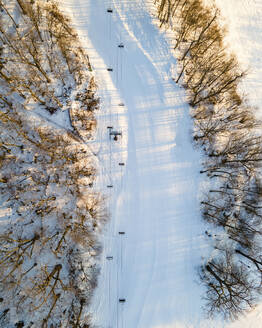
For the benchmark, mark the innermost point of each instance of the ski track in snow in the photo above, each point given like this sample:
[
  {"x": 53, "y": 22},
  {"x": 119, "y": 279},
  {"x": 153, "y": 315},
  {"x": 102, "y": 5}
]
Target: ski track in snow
[{"x": 155, "y": 196}]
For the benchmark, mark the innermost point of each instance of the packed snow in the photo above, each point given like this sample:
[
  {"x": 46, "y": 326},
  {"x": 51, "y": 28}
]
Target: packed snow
[{"x": 155, "y": 195}]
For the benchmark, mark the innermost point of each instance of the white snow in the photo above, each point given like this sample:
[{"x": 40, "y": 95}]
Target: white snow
[
  {"x": 155, "y": 196},
  {"x": 243, "y": 19}
]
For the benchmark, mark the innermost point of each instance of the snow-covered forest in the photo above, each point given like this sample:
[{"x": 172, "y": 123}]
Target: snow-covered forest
[
  {"x": 50, "y": 209},
  {"x": 130, "y": 155}
]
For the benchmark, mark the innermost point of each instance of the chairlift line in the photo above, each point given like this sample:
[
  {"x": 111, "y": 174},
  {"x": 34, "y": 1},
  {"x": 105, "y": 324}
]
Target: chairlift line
[{"x": 115, "y": 134}]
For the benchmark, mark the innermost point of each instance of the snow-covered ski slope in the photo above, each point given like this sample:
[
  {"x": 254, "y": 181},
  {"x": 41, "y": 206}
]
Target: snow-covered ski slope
[{"x": 155, "y": 195}]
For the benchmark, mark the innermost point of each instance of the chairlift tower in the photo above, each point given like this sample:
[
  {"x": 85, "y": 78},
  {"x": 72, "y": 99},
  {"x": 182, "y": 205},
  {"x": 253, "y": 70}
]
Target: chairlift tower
[{"x": 115, "y": 134}]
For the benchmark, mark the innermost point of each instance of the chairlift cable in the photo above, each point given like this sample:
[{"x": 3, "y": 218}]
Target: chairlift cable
[
  {"x": 120, "y": 78},
  {"x": 109, "y": 290},
  {"x": 117, "y": 68},
  {"x": 121, "y": 255},
  {"x": 117, "y": 289},
  {"x": 110, "y": 25},
  {"x": 121, "y": 64}
]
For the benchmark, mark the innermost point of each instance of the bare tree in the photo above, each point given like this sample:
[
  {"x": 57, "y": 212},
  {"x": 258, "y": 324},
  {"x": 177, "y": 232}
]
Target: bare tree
[{"x": 230, "y": 290}]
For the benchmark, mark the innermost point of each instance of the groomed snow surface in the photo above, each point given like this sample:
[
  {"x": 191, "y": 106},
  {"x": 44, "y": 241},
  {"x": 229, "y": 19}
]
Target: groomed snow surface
[{"x": 155, "y": 195}]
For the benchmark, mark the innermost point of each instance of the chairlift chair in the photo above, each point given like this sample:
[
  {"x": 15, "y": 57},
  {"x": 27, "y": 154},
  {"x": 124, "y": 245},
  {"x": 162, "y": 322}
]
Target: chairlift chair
[
  {"x": 121, "y": 45},
  {"x": 115, "y": 134},
  {"x": 122, "y": 300},
  {"x": 109, "y": 10}
]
